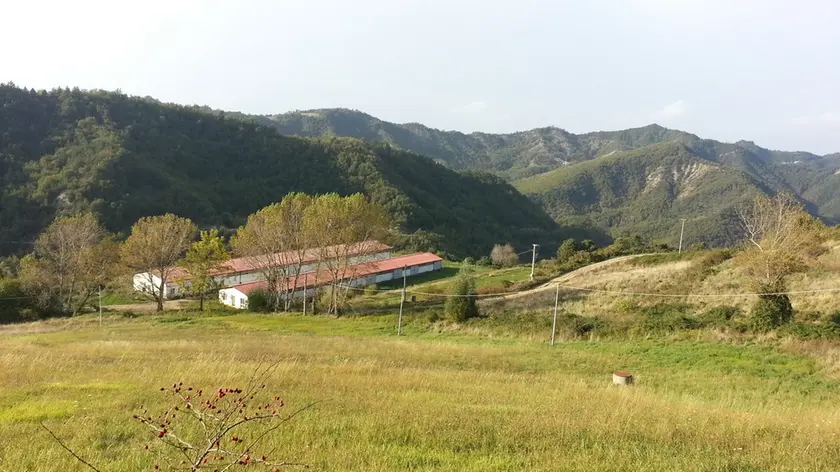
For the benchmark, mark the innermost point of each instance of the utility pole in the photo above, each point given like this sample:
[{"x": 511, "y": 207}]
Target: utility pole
[
  {"x": 554, "y": 324},
  {"x": 682, "y": 229},
  {"x": 100, "y": 306},
  {"x": 402, "y": 300},
  {"x": 533, "y": 259}
]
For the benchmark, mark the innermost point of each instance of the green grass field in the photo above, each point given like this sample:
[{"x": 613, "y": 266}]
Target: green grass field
[{"x": 435, "y": 399}]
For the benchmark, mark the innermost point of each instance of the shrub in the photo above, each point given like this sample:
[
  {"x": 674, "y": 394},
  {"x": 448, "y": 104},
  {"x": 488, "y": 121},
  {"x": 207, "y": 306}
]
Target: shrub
[
  {"x": 718, "y": 316},
  {"x": 809, "y": 316},
  {"x": 462, "y": 306},
  {"x": 770, "y": 312},
  {"x": 490, "y": 289},
  {"x": 15, "y": 304},
  {"x": 484, "y": 262},
  {"x": 626, "y": 306},
  {"x": 576, "y": 326},
  {"x": 666, "y": 318},
  {"x": 811, "y": 331},
  {"x": 469, "y": 261},
  {"x": 259, "y": 301}
]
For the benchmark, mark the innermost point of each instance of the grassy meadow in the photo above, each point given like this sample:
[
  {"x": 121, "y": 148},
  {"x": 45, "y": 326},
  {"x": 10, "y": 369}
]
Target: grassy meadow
[{"x": 438, "y": 398}]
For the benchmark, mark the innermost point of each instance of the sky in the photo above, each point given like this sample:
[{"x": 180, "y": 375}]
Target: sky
[{"x": 760, "y": 70}]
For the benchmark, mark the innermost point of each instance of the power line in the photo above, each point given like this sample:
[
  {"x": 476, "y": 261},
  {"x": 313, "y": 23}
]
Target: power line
[{"x": 596, "y": 290}]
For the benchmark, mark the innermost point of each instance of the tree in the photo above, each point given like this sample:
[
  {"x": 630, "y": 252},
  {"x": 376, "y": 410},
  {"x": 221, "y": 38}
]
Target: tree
[
  {"x": 504, "y": 256},
  {"x": 628, "y": 245},
  {"x": 274, "y": 240},
  {"x": 567, "y": 250},
  {"x": 340, "y": 227},
  {"x": 588, "y": 245},
  {"x": 204, "y": 258},
  {"x": 72, "y": 259},
  {"x": 461, "y": 306},
  {"x": 778, "y": 233},
  {"x": 263, "y": 244},
  {"x": 154, "y": 247},
  {"x": 294, "y": 207}
]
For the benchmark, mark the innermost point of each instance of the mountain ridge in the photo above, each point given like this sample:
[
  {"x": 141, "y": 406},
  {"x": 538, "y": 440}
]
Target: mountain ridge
[
  {"x": 513, "y": 155},
  {"x": 541, "y": 154}
]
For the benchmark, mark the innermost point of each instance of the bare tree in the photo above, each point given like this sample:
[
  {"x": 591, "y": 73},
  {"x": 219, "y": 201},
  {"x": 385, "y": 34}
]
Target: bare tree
[
  {"x": 71, "y": 260},
  {"x": 264, "y": 243},
  {"x": 504, "y": 256},
  {"x": 154, "y": 248},
  {"x": 778, "y": 233}
]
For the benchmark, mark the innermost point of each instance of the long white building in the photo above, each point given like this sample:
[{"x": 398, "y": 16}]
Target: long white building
[
  {"x": 245, "y": 270},
  {"x": 359, "y": 275}
]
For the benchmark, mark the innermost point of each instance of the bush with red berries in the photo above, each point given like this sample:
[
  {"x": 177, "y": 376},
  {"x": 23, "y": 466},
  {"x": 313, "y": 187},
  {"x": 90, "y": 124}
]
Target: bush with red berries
[{"x": 215, "y": 430}]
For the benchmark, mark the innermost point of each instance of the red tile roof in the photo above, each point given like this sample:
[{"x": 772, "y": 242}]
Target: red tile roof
[
  {"x": 246, "y": 264},
  {"x": 351, "y": 272}
]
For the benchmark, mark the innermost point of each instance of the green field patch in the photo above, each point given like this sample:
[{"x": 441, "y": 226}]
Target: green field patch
[{"x": 37, "y": 410}]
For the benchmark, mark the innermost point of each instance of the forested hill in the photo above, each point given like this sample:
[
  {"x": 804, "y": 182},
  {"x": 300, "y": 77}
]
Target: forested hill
[
  {"x": 634, "y": 181},
  {"x": 648, "y": 190},
  {"x": 124, "y": 158}
]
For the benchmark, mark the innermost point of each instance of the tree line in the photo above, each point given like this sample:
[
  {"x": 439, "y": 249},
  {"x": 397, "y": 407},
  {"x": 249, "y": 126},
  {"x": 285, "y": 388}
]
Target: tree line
[{"x": 75, "y": 257}]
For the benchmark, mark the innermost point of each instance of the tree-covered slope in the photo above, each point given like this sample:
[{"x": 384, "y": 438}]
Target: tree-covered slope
[
  {"x": 124, "y": 158},
  {"x": 647, "y": 191}
]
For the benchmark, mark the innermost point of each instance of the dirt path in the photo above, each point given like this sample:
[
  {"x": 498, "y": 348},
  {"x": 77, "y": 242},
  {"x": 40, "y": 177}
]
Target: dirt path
[
  {"x": 565, "y": 278},
  {"x": 150, "y": 307}
]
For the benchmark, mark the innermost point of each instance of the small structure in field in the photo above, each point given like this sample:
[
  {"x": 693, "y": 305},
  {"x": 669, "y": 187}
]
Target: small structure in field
[{"x": 622, "y": 378}]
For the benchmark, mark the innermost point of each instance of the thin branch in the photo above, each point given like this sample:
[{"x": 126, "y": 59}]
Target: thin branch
[
  {"x": 60, "y": 443},
  {"x": 272, "y": 428}
]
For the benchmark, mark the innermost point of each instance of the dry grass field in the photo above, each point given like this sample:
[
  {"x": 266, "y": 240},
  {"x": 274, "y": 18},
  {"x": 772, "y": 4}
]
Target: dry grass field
[{"x": 455, "y": 399}]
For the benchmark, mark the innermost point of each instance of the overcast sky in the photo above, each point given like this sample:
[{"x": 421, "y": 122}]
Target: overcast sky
[{"x": 760, "y": 70}]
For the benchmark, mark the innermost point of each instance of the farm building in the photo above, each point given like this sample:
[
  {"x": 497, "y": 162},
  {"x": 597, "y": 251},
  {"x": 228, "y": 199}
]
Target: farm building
[
  {"x": 245, "y": 270},
  {"x": 359, "y": 275}
]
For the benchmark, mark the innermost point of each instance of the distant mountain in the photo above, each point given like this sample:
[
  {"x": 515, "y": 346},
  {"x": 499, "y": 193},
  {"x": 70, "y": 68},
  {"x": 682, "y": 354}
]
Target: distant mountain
[
  {"x": 513, "y": 155},
  {"x": 124, "y": 158},
  {"x": 648, "y": 190},
  {"x": 639, "y": 180}
]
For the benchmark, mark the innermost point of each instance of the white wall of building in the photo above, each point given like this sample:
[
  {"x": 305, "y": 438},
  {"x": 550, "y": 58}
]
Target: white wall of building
[
  {"x": 173, "y": 289},
  {"x": 236, "y": 299}
]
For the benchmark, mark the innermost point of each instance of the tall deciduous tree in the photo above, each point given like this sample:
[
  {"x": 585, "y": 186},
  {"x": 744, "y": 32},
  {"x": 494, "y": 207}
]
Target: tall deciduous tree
[
  {"x": 294, "y": 207},
  {"x": 71, "y": 260},
  {"x": 274, "y": 242},
  {"x": 205, "y": 257},
  {"x": 341, "y": 227},
  {"x": 778, "y": 234},
  {"x": 154, "y": 248}
]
